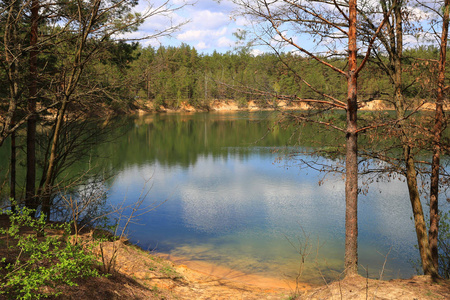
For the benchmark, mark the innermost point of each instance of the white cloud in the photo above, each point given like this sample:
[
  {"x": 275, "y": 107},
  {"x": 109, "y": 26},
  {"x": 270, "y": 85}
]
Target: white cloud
[
  {"x": 196, "y": 35},
  {"x": 207, "y": 39},
  {"x": 256, "y": 52},
  {"x": 201, "y": 46},
  {"x": 192, "y": 35},
  {"x": 213, "y": 5},
  {"x": 224, "y": 42},
  {"x": 208, "y": 19},
  {"x": 212, "y": 24},
  {"x": 209, "y": 28},
  {"x": 241, "y": 21}
]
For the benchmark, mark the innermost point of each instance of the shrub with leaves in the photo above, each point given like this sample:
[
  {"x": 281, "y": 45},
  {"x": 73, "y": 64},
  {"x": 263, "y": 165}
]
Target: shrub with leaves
[{"x": 38, "y": 263}]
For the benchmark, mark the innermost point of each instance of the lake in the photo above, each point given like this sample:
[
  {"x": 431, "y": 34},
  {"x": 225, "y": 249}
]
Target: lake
[{"x": 229, "y": 197}]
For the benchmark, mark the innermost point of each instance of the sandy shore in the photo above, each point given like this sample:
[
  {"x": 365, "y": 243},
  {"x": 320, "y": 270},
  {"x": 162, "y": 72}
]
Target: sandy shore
[
  {"x": 232, "y": 106},
  {"x": 230, "y": 274},
  {"x": 201, "y": 280}
]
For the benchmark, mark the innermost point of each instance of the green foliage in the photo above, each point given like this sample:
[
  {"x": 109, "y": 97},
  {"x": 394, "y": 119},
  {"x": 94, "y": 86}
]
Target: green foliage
[
  {"x": 171, "y": 75},
  {"x": 158, "y": 102},
  {"x": 242, "y": 102},
  {"x": 181, "y": 74},
  {"x": 38, "y": 262},
  {"x": 164, "y": 268}
]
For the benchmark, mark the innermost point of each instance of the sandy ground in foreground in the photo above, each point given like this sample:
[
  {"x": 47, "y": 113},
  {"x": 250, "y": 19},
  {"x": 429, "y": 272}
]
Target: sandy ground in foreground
[
  {"x": 137, "y": 274},
  {"x": 198, "y": 280}
]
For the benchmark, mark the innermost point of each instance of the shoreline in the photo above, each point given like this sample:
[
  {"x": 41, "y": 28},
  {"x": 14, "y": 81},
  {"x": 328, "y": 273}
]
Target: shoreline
[
  {"x": 234, "y": 275},
  {"x": 146, "y": 106},
  {"x": 202, "y": 280},
  {"x": 140, "y": 274},
  {"x": 187, "y": 279}
]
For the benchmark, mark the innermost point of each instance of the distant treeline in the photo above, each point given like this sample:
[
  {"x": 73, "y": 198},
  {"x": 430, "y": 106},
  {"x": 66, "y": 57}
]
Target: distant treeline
[
  {"x": 126, "y": 74},
  {"x": 168, "y": 76}
]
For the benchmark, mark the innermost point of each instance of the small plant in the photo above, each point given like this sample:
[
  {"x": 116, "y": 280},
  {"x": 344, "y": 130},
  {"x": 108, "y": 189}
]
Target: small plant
[
  {"x": 303, "y": 248},
  {"x": 164, "y": 268},
  {"x": 155, "y": 290},
  {"x": 122, "y": 215},
  {"x": 169, "y": 271},
  {"x": 39, "y": 263}
]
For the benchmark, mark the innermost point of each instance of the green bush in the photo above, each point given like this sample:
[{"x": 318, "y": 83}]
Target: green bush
[
  {"x": 242, "y": 102},
  {"x": 158, "y": 102},
  {"x": 39, "y": 263}
]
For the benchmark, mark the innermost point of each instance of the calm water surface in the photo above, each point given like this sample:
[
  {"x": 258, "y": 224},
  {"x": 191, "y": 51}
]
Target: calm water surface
[{"x": 230, "y": 201}]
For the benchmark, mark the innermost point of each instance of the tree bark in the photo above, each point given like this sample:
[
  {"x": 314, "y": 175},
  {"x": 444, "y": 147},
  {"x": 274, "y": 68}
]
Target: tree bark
[
  {"x": 394, "y": 46},
  {"x": 47, "y": 190},
  {"x": 419, "y": 219},
  {"x": 12, "y": 183},
  {"x": 69, "y": 88},
  {"x": 30, "y": 192},
  {"x": 437, "y": 135},
  {"x": 10, "y": 55},
  {"x": 12, "y": 48},
  {"x": 351, "y": 164}
]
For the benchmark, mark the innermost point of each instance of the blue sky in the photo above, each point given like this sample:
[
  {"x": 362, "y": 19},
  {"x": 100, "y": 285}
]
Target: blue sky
[{"x": 210, "y": 25}]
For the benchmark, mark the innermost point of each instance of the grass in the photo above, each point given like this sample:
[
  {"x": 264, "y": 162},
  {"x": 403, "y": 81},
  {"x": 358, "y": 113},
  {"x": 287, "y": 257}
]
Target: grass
[{"x": 163, "y": 267}]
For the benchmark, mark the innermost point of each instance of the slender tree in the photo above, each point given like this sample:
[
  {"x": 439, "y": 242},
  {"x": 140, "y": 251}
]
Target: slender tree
[
  {"x": 439, "y": 126},
  {"x": 12, "y": 49},
  {"x": 30, "y": 193},
  {"x": 327, "y": 21},
  {"x": 65, "y": 39},
  {"x": 93, "y": 30},
  {"x": 12, "y": 57},
  {"x": 391, "y": 43}
]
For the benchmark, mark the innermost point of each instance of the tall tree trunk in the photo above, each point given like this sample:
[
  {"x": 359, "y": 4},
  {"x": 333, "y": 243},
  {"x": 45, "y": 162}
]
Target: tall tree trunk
[
  {"x": 395, "y": 49},
  {"x": 31, "y": 200},
  {"x": 411, "y": 178},
  {"x": 47, "y": 189},
  {"x": 12, "y": 48},
  {"x": 69, "y": 88},
  {"x": 410, "y": 172},
  {"x": 12, "y": 183},
  {"x": 437, "y": 135},
  {"x": 10, "y": 54},
  {"x": 351, "y": 164},
  {"x": 147, "y": 83},
  {"x": 419, "y": 219}
]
